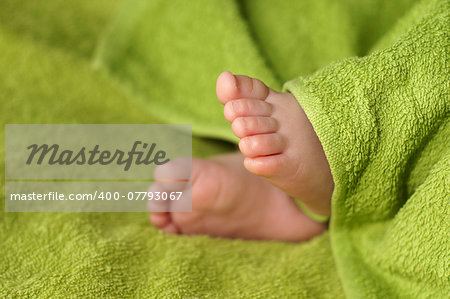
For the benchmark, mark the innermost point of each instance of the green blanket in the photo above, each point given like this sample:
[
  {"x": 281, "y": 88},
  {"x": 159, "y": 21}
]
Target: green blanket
[{"x": 372, "y": 77}]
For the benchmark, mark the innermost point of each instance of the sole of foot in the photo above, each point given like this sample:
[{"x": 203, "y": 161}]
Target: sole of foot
[{"x": 277, "y": 139}]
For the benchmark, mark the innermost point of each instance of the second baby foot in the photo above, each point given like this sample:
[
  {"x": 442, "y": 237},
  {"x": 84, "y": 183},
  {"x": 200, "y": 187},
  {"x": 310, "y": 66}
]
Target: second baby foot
[{"x": 228, "y": 201}]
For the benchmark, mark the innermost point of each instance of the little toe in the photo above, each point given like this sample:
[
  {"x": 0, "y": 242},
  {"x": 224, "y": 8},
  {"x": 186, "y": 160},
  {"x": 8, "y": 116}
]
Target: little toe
[
  {"x": 230, "y": 87},
  {"x": 171, "y": 228},
  {"x": 246, "y": 107},
  {"x": 248, "y": 126},
  {"x": 160, "y": 219},
  {"x": 265, "y": 166},
  {"x": 262, "y": 145}
]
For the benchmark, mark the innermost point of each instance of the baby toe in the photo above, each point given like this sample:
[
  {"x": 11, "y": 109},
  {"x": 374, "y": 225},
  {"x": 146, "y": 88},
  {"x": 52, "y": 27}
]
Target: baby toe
[
  {"x": 171, "y": 228},
  {"x": 226, "y": 87},
  {"x": 248, "y": 126},
  {"x": 230, "y": 87},
  {"x": 160, "y": 220},
  {"x": 265, "y": 166},
  {"x": 246, "y": 107},
  {"x": 262, "y": 145},
  {"x": 251, "y": 88}
]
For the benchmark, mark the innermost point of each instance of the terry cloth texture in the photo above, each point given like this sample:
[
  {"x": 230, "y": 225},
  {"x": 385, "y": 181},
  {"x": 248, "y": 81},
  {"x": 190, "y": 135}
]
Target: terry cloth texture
[
  {"x": 374, "y": 83},
  {"x": 383, "y": 121}
]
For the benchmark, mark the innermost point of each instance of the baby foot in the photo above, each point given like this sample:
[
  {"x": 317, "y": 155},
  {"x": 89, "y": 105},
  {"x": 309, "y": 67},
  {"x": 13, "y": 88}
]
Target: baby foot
[
  {"x": 228, "y": 201},
  {"x": 277, "y": 139}
]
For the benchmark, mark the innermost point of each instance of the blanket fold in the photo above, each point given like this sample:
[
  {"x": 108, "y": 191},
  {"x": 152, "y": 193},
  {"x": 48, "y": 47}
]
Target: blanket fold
[{"x": 383, "y": 122}]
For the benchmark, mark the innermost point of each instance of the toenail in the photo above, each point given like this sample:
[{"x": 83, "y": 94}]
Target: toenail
[{"x": 235, "y": 83}]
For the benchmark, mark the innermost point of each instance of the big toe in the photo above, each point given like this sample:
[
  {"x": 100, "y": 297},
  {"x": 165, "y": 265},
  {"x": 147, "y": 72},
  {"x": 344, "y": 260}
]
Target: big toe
[{"x": 231, "y": 87}]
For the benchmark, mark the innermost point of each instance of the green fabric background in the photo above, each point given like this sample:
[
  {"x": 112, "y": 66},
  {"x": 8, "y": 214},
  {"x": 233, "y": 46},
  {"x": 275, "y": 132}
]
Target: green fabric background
[{"x": 383, "y": 121}]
